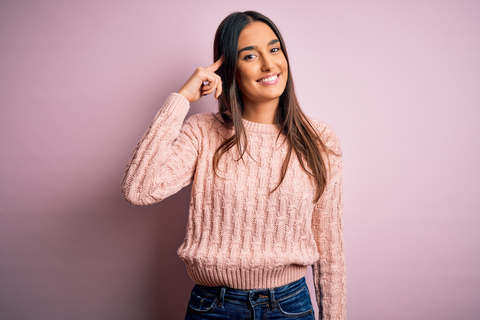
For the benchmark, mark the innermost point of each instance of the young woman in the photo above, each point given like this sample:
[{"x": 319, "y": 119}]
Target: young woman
[{"x": 267, "y": 183}]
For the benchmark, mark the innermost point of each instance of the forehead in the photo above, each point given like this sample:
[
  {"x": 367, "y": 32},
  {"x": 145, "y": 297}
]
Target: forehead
[{"x": 256, "y": 34}]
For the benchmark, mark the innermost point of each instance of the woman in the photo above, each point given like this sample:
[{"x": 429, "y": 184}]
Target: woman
[{"x": 267, "y": 183}]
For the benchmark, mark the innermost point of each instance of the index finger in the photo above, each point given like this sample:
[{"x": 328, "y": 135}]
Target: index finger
[{"x": 214, "y": 67}]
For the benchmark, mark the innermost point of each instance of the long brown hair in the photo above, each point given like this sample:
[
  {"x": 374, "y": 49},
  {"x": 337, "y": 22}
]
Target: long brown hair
[{"x": 301, "y": 136}]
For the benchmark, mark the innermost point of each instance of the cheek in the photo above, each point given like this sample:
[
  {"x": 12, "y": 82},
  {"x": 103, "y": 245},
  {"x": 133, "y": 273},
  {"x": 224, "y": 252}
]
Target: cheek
[
  {"x": 243, "y": 80},
  {"x": 285, "y": 65},
  {"x": 285, "y": 68},
  {"x": 239, "y": 80}
]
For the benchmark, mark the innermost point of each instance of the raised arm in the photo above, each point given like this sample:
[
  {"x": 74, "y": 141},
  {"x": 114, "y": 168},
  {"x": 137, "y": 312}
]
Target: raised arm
[
  {"x": 164, "y": 159},
  {"x": 329, "y": 273}
]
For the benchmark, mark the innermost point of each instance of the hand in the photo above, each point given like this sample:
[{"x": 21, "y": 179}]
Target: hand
[{"x": 194, "y": 88}]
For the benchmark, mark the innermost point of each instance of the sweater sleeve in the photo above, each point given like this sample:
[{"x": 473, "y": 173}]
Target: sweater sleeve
[
  {"x": 164, "y": 160},
  {"x": 329, "y": 272}
]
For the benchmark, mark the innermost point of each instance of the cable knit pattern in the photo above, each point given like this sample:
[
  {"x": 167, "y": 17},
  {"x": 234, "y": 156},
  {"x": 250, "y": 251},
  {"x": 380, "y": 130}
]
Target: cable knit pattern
[{"x": 239, "y": 233}]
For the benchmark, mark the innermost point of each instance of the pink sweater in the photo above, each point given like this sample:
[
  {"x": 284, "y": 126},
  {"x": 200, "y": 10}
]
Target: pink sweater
[{"x": 239, "y": 234}]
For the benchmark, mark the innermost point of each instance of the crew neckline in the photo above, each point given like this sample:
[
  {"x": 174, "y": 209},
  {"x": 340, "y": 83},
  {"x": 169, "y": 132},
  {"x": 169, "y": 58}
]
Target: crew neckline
[{"x": 251, "y": 126}]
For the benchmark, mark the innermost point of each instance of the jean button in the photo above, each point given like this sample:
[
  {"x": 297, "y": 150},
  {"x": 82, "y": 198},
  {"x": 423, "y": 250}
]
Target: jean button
[{"x": 255, "y": 297}]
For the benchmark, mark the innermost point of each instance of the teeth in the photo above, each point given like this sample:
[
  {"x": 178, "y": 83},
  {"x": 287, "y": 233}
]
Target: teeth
[{"x": 269, "y": 79}]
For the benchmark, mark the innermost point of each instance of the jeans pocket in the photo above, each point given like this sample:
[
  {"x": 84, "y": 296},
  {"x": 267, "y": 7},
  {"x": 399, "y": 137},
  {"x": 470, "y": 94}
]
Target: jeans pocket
[
  {"x": 202, "y": 302},
  {"x": 297, "y": 304}
]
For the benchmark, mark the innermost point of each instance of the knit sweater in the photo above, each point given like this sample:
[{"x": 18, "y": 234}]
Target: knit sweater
[{"x": 240, "y": 234}]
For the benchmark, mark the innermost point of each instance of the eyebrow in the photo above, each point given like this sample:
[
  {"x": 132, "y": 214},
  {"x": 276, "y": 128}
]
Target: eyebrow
[{"x": 255, "y": 47}]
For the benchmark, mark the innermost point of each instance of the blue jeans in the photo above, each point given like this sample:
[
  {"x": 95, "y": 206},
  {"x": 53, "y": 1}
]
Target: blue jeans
[{"x": 291, "y": 301}]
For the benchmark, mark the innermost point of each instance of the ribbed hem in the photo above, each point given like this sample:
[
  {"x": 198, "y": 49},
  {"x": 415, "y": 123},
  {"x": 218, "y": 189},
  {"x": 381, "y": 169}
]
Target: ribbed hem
[
  {"x": 247, "y": 279},
  {"x": 260, "y": 127}
]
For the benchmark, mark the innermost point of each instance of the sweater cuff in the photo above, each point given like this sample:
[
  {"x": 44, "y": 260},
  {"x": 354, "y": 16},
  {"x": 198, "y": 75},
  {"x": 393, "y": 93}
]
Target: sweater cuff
[{"x": 175, "y": 108}]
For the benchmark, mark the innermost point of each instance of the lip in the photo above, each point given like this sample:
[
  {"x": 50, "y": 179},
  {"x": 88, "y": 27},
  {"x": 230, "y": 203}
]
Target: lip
[{"x": 275, "y": 81}]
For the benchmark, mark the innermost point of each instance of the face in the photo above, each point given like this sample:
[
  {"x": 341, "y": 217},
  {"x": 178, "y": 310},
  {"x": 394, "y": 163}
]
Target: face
[{"x": 262, "y": 69}]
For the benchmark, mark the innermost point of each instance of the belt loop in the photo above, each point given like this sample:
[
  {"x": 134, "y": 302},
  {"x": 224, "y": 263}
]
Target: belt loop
[
  {"x": 272, "y": 299},
  {"x": 222, "y": 295}
]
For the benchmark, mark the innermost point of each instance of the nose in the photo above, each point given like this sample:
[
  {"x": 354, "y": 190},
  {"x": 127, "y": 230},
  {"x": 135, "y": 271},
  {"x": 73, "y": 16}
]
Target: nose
[{"x": 268, "y": 64}]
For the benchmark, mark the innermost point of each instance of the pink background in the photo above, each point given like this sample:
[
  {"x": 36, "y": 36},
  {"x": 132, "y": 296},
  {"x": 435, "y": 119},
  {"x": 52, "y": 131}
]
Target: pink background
[{"x": 80, "y": 82}]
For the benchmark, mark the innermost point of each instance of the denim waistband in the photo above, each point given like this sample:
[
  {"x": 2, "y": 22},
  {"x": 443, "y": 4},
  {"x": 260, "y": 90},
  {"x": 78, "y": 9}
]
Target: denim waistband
[{"x": 254, "y": 295}]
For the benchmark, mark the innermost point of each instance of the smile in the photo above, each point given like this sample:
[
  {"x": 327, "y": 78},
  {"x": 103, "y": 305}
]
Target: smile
[{"x": 270, "y": 79}]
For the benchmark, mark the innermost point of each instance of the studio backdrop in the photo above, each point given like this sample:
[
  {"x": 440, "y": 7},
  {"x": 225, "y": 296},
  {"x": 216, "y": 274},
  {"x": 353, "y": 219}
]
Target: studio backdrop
[{"x": 80, "y": 81}]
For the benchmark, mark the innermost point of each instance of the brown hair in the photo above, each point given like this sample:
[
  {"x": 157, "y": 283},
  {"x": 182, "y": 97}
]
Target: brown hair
[{"x": 301, "y": 136}]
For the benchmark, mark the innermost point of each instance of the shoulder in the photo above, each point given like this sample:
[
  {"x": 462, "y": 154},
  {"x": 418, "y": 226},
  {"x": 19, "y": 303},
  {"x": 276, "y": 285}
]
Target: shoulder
[
  {"x": 202, "y": 120},
  {"x": 328, "y": 135},
  {"x": 203, "y": 124}
]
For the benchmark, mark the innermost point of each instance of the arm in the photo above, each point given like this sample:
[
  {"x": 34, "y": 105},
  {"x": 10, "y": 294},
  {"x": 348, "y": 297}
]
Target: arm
[
  {"x": 329, "y": 273},
  {"x": 164, "y": 159}
]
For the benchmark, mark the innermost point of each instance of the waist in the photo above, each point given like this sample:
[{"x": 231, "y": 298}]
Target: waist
[
  {"x": 254, "y": 295},
  {"x": 246, "y": 279}
]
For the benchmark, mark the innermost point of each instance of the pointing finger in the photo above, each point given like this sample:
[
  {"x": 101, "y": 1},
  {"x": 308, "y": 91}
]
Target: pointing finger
[{"x": 214, "y": 67}]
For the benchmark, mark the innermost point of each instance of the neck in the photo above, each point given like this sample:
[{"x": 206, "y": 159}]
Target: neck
[{"x": 260, "y": 112}]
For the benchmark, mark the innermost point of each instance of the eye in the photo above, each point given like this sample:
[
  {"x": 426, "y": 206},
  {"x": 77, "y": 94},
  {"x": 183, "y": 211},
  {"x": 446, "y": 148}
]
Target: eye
[
  {"x": 275, "y": 50},
  {"x": 249, "y": 57}
]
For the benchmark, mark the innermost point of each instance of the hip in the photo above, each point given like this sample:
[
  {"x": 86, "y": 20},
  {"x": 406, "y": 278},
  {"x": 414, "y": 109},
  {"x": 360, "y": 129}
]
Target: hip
[{"x": 291, "y": 301}]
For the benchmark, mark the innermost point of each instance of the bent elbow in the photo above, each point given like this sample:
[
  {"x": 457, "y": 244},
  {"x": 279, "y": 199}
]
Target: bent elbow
[
  {"x": 132, "y": 197},
  {"x": 138, "y": 199},
  {"x": 134, "y": 201}
]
